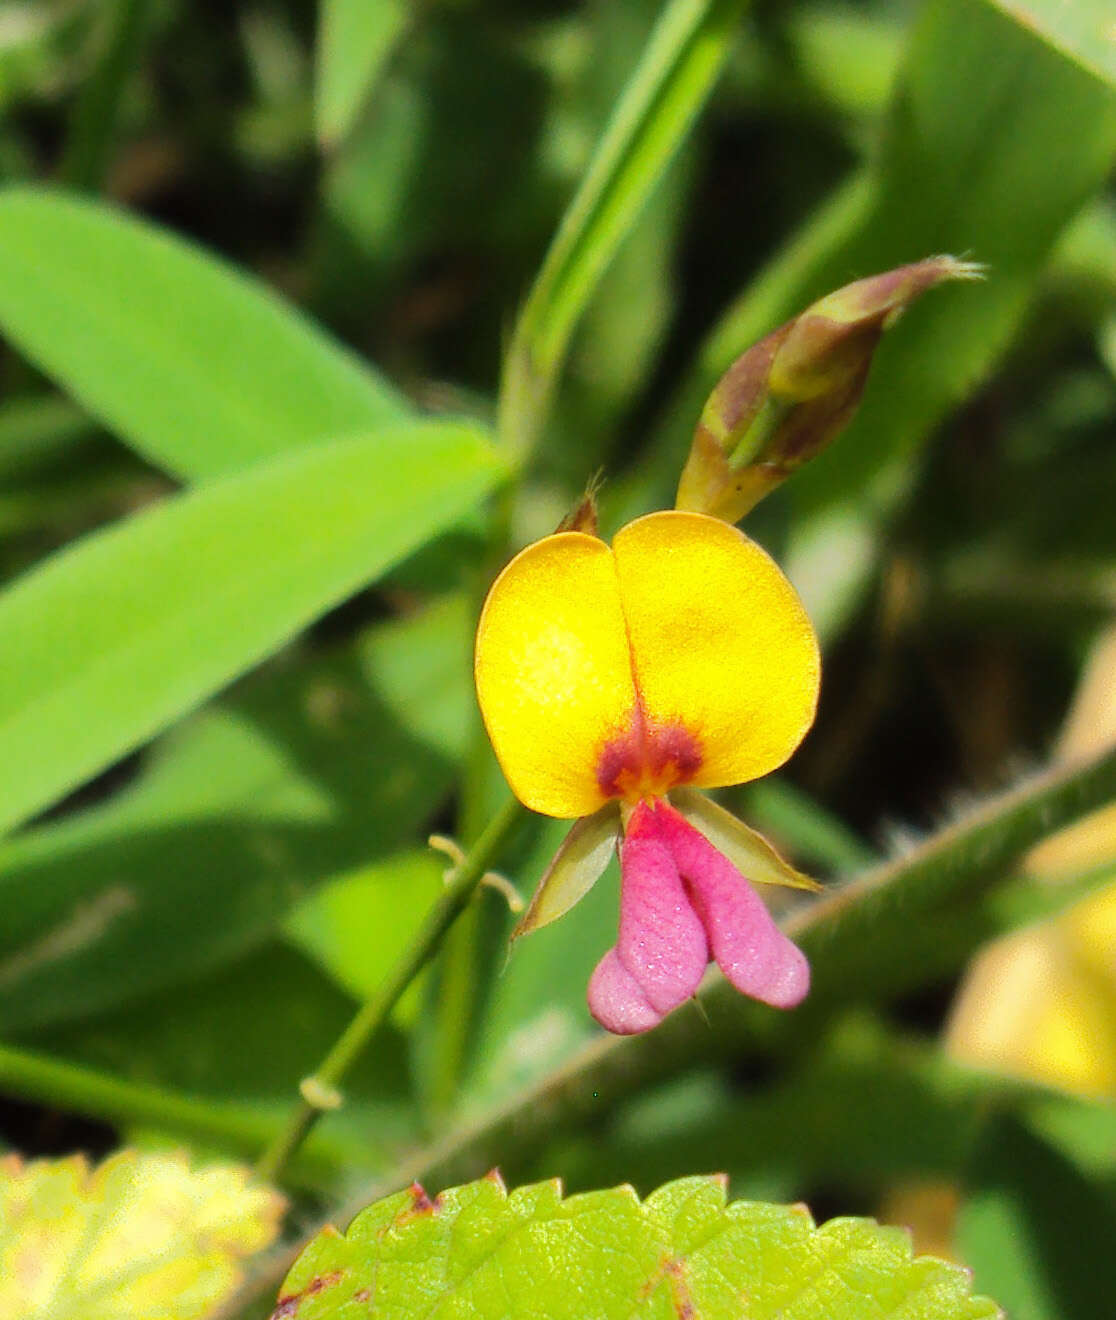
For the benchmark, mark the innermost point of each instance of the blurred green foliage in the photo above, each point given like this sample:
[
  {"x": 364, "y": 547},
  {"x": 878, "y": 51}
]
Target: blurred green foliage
[{"x": 260, "y": 270}]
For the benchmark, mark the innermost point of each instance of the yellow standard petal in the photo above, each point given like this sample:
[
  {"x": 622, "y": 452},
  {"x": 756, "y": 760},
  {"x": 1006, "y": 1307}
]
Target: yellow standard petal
[
  {"x": 553, "y": 671},
  {"x": 721, "y": 643}
]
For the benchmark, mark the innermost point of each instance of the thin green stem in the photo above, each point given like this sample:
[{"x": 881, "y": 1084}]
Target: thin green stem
[
  {"x": 72, "y": 1086},
  {"x": 320, "y": 1091},
  {"x": 93, "y": 126},
  {"x": 242, "y": 1129}
]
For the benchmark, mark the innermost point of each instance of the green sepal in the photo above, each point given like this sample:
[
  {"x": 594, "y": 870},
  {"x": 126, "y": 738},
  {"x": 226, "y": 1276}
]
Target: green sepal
[
  {"x": 747, "y": 849},
  {"x": 576, "y": 868}
]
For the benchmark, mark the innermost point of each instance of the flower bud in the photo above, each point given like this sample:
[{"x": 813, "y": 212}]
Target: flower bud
[{"x": 790, "y": 395}]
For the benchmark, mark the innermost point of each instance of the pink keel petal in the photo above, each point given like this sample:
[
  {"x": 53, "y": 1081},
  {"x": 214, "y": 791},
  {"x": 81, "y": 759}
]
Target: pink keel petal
[
  {"x": 749, "y": 948},
  {"x": 616, "y": 1000},
  {"x": 662, "y": 943}
]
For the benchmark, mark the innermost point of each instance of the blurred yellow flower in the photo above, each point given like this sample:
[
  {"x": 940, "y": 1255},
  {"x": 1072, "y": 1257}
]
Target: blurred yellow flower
[{"x": 1042, "y": 1003}]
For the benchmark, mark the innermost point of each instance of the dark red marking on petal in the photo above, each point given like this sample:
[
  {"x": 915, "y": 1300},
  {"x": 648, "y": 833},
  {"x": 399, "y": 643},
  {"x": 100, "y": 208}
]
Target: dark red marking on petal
[
  {"x": 647, "y": 759},
  {"x": 362, "y": 1295}
]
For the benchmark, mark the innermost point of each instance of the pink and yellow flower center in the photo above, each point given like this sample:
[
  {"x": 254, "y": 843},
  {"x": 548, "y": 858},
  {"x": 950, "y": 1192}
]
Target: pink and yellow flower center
[{"x": 647, "y": 760}]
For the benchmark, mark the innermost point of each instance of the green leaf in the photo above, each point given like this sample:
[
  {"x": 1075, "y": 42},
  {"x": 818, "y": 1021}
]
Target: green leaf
[
  {"x": 300, "y": 774},
  {"x": 679, "y": 66},
  {"x": 1082, "y": 30},
  {"x": 355, "y": 926},
  {"x": 748, "y": 850},
  {"x": 108, "y": 642},
  {"x": 355, "y": 40},
  {"x": 139, "y": 1235},
  {"x": 480, "y": 1250},
  {"x": 1035, "y": 1229},
  {"x": 197, "y": 366}
]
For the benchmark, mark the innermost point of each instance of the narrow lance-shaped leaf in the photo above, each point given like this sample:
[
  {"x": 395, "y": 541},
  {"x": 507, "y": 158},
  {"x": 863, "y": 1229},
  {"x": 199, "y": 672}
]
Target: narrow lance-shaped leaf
[
  {"x": 686, "y": 51},
  {"x": 355, "y": 39},
  {"x": 195, "y": 365},
  {"x": 1082, "y": 30},
  {"x": 480, "y": 1250},
  {"x": 97, "y": 656},
  {"x": 301, "y": 774}
]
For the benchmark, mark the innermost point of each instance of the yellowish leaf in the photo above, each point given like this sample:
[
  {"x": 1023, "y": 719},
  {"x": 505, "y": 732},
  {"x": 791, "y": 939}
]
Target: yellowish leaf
[{"x": 141, "y": 1235}]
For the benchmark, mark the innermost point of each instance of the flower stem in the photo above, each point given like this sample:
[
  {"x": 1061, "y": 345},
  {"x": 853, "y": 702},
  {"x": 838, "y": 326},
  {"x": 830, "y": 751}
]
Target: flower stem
[
  {"x": 320, "y": 1091},
  {"x": 67, "y": 1085}
]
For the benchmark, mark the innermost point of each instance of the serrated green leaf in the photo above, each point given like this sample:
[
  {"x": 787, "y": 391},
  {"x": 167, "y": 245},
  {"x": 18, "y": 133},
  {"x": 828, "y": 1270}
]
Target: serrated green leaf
[
  {"x": 478, "y": 1250},
  {"x": 98, "y": 656},
  {"x": 140, "y": 1235},
  {"x": 195, "y": 365}
]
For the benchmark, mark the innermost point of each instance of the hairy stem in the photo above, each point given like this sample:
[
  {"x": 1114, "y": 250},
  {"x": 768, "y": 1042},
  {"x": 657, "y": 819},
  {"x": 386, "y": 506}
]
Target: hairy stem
[{"x": 944, "y": 880}]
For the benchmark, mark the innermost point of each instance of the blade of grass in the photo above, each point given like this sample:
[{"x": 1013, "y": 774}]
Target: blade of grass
[
  {"x": 662, "y": 98},
  {"x": 355, "y": 40},
  {"x": 1084, "y": 30}
]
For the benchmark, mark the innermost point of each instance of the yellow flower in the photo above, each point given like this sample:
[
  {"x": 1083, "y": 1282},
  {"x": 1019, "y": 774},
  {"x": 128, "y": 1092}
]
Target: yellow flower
[{"x": 679, "y": 658}]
